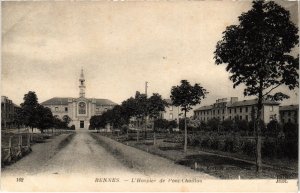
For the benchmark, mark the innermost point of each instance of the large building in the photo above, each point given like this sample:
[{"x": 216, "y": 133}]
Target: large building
[
  {"x": 289, "y": 114},
  {"x": 232, "y": 109},
  {"x": 171, "y": 112},
  {"x": 80, "y": 109},
  {"x": 8, "y": 113}
]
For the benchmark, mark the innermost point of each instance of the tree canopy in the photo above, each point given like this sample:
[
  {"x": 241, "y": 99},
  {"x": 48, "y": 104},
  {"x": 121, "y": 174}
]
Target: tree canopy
[
  {"x": 186, "y": 95},
  {"x": 257, "y": 51}
]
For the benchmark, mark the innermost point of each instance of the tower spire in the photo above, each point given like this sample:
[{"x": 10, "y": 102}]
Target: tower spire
[{"x": 81, "y": 84}]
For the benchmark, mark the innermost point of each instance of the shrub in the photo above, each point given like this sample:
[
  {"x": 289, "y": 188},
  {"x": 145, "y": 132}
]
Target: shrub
[
  {"x": 124, "y": 129},
  {"x": 237, "y": 145},
  {"x": 204, "y": 143},
  {"x": 214, "y": 143},
  {"x": 228, "y": 144},
  {"x": 72, "y": 127},
  {"x": 269, "y": 148},
  {"x": 249, "y": 148},
  {"x": 221, "y": 145}
]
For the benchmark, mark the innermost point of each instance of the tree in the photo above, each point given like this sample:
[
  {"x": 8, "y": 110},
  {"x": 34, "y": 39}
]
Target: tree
[
  {"x": 227, "y": 125},
  {"x": 186, "y": 96},
  {"x": 45, "y": 119},
  {"x": 156, "y": 105},
  {"x": 19, "y": 117},
  {"x": 66, "y": 120},
  {"x": 119, "y": 117},
  {"x": 29, "y": 109},
  {"x": 213, "y": 124},
  {"x": 257, "y": 54}
]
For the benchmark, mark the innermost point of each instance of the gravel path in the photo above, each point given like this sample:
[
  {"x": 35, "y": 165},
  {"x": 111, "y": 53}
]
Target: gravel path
[
  {"x": 85, "y": 156},
  {"x": 82, "y": 155}
]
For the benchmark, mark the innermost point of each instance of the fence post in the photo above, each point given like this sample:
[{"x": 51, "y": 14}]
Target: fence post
[
  {"x": 20, "y": 143},
  {"x": 28, "y": 140},
  {"x": 9, "y": 149}
]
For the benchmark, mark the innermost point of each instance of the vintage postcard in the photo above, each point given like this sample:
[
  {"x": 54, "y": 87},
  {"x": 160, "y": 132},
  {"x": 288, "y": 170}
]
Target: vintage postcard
[{"x": 149, "y": 96}]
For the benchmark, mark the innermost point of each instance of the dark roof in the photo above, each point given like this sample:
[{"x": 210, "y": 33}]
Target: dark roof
[
  {"x": 64, "y": 101},
  {"x": 204, "y": 108},
  {"x": 56, "y": 101},
  {"x": 239, "y": 103},
  {"x": 289, "y": 108},
  {"x": 104, "y": 102},
  {"x": 251, "y": 102}
]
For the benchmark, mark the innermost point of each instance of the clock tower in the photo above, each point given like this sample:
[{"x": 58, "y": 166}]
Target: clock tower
[{"x": 81, "y": 85}]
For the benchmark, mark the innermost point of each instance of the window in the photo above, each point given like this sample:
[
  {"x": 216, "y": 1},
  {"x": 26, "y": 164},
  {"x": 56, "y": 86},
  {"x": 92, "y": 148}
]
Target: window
[
  {"x": 241, "y": 117},
  {"x": 81, "y": 108},
  {"x": 229, "y": 117},
  {"x": 230, "y": 111},
  {"x": 171, "y": 115},
  {"x": 171, "y": 108},
  {"x": 289, "y": 113},
  {"x": 246, "y": 117},
  {"x": 218, "y": 111},
  {"x": 223, "y": 111},
  {"x": 56, "y": 108},
  {"x": 247, "y": 110},
  {"x": 241, "y": 109},
  {"x": 234, "y": 110},
  {"x": 66, "y": 109},
  {"x": 223, "y": 118}
]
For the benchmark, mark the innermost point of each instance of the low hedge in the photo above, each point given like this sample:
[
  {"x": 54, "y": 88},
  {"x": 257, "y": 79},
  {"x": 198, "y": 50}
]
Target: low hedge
[{"x": 271, "y": 148}]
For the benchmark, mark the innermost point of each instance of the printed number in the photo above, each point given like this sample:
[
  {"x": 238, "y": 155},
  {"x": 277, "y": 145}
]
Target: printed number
[{"x": 20, "y": 179}]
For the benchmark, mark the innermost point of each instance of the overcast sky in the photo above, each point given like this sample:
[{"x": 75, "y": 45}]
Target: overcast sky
[{"x": 120, "y": 45}]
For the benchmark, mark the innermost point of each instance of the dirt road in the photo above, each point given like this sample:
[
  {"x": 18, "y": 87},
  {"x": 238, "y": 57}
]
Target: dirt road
[
  {"x": 81, "y": 156},
  {"x": 84, "y": 156}
]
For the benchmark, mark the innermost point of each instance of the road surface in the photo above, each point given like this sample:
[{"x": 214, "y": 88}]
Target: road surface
[{"x": 85, "y": 156}]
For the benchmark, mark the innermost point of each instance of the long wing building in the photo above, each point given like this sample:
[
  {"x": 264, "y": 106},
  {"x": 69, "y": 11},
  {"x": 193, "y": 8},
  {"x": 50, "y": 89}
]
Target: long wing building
[{"x": 80, "y": 109}]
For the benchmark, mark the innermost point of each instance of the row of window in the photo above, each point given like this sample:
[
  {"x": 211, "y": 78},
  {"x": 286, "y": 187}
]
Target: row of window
[
  {"x": 223, "y": 111},
  {"x": 57, "y": 109},
  {"x": 288, "y": 113},
  {"x": 240, "y": 109},
  {"x": 82, "y": 109},
  {"x": 246, "y": 117}
]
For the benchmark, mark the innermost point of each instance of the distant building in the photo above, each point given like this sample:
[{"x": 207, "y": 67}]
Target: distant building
[
  {"x": 289, "y": 113},
  {"x": 80, "y": 109},
  {"x": 171, "y": 112},
  {"x": 232, "y": 109},
  {"x": 8, "y": 113}
]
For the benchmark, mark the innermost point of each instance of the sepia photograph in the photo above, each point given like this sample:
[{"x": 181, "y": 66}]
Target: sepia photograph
[{"x": 150, "y": 96}]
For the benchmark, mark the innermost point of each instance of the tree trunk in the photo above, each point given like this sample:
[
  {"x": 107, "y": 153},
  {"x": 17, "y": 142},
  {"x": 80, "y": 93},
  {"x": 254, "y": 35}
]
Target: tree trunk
[
  {"x": 185, "y": 133},
  {"x": 153, "y": 129},
  {"x": 258, "y": 132}
]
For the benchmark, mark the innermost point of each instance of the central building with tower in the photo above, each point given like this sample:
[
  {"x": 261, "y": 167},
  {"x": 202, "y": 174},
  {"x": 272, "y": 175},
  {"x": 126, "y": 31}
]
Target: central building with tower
[{"x": 80, "y": 109}]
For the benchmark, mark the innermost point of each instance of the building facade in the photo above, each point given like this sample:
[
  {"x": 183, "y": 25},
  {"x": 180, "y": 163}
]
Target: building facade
[
  {"x": 289, "y": 114},
  {"x": 8, "y": 113},
  {"x": 233, "y": 109},
  {"x": 171, "y": 112},
  {"x": 80, "y": 109}
]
